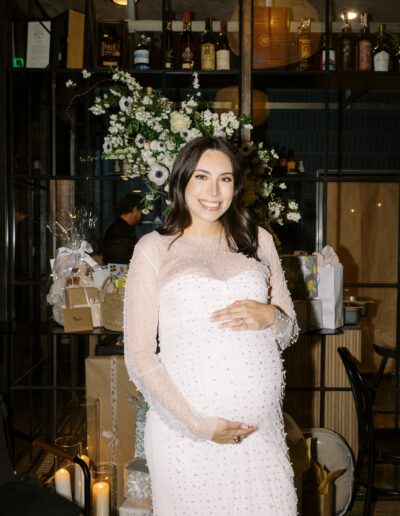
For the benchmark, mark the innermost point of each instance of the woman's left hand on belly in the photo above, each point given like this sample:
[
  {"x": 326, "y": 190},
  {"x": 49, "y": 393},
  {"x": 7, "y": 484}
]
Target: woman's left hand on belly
[{"x": 245, "y": 315}]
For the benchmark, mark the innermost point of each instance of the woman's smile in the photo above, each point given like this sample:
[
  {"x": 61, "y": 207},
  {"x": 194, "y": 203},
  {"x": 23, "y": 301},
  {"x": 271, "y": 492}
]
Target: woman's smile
[{"x": 210, "y": 189}]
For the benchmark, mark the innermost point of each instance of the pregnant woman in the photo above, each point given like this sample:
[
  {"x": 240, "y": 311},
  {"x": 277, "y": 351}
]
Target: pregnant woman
[{"x": 209, "y": 284}]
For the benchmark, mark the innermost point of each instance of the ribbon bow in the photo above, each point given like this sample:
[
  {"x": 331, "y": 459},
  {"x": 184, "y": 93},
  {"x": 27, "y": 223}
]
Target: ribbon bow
[
  {"x": 114, "y": 442},
  {"x": 82, "y": 252}
]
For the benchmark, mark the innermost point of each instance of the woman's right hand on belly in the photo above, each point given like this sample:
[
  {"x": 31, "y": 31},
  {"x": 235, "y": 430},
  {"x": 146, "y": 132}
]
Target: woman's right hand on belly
[{"x": 231, "y": 432}]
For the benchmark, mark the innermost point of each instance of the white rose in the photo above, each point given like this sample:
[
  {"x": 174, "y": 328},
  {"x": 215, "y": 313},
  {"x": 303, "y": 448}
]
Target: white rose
[{"x": 179, "y": 122}]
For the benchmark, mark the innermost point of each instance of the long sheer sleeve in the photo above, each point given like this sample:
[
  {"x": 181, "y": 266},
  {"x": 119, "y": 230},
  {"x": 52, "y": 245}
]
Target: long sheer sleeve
[
  {"x": 140, "y": 341},
  {"x": 285, "y": 328}
]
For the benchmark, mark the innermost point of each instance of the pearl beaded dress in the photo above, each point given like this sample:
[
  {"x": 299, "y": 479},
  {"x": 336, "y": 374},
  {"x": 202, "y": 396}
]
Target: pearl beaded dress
[{"x": 203, "y": 372}]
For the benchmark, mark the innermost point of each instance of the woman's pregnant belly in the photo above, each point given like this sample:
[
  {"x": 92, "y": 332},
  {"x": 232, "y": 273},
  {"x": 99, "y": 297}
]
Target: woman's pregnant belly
[{"x": 234, "y": 375}]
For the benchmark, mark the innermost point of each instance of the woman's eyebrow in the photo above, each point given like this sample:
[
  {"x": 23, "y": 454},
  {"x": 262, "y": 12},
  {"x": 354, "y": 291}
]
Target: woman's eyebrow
[{"x": 207, "y": 172}]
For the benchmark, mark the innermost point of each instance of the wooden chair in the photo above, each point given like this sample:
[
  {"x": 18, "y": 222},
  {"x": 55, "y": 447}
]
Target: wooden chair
[{"x": 380, "y": 445}]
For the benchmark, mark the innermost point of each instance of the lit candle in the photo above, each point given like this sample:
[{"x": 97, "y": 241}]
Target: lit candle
[
  {"x": 101, "y": 499},
  {"x": 63, "y": 483},
  {"x": 79, "y": 490}
]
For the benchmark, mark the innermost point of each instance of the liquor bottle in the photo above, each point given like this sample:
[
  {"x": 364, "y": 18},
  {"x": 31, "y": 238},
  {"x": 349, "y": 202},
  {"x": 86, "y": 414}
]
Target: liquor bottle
[
  {"x": 305, "y": 45},
  {"x": 291, "y": 162},
  {"x": 345, "y": 48},
  {"x": 141, "y": 55},
  {"x": 187, "y": 43},
  {"x": 364, "y": 47},
  {"x": 222, "y": 49},
  {"x": 169, "y": 45},
  {"x": 381, "y": 53},
  {"x": 208, "y": 48},
  {"x": 324, "y": 53},
  {"x": 110, "y": 47},
  {"x": 283, "y": 161}
]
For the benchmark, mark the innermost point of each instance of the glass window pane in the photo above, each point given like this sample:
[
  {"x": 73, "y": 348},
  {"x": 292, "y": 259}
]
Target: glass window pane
[{"x": 363, "y": 229}]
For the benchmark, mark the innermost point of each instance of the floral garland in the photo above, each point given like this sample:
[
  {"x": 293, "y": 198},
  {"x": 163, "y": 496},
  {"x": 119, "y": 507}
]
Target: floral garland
[{"x": 146, "y": 131}]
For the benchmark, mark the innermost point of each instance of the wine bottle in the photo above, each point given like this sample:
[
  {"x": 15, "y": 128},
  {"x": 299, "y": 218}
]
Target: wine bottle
[
  {"x": 169, "y": 45},
  {"x": 223, "y": 49},
  {"x": 345, "y": 48},
  {"x": 110, "y": 47},
  {"x": 325, "y": 53},
  {"x": 381, "y": 52},
  {"x": 364, "y": 47},
  {"x": 207, "y": 47},
  {"x": 141, "y": 55},
  {"x": 305, "y": 45},
  {"x": 187, "y": 43}
]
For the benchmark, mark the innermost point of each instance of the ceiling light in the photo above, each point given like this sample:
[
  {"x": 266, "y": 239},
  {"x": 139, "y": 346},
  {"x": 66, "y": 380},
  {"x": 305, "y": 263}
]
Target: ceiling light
[{"x": 120, "y": 2}]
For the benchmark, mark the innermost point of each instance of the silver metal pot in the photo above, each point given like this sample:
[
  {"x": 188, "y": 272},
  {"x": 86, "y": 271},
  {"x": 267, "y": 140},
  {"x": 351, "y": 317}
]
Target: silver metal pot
[{"x": 352, "y": 314}]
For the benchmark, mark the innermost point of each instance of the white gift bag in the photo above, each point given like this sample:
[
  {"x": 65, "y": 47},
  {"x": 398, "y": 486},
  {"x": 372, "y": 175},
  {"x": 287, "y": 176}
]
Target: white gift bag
[{"x": 330, "y": 291}]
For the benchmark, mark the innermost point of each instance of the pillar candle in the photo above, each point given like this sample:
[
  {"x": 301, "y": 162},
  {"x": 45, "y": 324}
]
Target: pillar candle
[
  {"x": 63, "y": 483},
  {"x": 79, "y": 489},
  {"x": 101, "y": 499}
]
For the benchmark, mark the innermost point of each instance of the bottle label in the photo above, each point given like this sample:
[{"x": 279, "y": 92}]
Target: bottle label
[
  {"x": 223, "y": 60},
  {"x": 332, "y": 59},
  {"x": 364, "y": 55},
  {"x": 187, "y": 59},
  {"x": 141, "y": 56},
  {"x": 169, "y": 59},
  {"x": 305, "y": 48},
  {"x": 208, "y": 56},
  {"x": 381, "y": 61},
  {"x": 347, "y": 55}
]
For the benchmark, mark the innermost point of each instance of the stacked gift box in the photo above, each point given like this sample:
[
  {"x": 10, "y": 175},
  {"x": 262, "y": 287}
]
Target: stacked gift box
[{"x": 302, "y": 281}]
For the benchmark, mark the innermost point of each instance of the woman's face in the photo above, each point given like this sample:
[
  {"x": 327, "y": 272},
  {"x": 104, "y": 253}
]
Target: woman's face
[{"x": 210, "y": 189}]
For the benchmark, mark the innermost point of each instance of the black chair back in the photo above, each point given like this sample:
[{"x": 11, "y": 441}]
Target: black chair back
[{"x": 361, "y": 396}]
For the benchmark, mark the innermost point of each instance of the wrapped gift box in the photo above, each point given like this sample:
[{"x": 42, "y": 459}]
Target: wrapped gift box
[
  {"x": 128, "y": 509},
  {"x": 107, "y": 379},
  {"x": 77, "y": 319},
  {"x": 137, "y": 485},
  {"x": 309, "y": 314},
  {"x": 301, "y": 275},
  {"x": 77, "y": 297}
]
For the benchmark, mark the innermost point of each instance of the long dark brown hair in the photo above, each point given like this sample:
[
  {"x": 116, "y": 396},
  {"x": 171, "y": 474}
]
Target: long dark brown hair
[{"x": 240, "y": 230}]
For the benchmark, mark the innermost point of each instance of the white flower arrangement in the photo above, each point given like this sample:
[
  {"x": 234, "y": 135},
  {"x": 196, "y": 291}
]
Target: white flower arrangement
[{"x": 146, "y": 131}]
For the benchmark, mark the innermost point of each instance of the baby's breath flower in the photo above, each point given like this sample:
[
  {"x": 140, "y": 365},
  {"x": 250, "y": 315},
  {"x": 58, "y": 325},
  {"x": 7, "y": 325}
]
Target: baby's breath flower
[
  {"x": 86, "y": 74},
  {"x": 70, "y": 84}
]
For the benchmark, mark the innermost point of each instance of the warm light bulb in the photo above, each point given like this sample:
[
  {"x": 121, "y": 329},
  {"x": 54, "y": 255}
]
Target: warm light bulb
[
  {"x": 352, "y": 210},
  {"x": 379, "y": 205},
  {"x": 120, "y": 2},
  {"x": 348, "y": 15}
]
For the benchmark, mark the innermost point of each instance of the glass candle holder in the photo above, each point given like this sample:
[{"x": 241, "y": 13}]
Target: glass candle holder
[
  {"x": 85, "y": 424},
  {"x": 104, "y": 489},
  {"x": 66, "y": 476}
]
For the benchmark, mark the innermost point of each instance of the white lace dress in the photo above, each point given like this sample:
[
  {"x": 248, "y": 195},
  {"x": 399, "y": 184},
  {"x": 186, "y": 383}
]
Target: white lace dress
[{"x": 203, "y": 372}]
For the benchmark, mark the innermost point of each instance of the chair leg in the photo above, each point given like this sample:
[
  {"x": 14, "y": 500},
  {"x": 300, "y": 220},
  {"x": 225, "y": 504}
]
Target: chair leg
[{"x": 370, "y": 483}]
